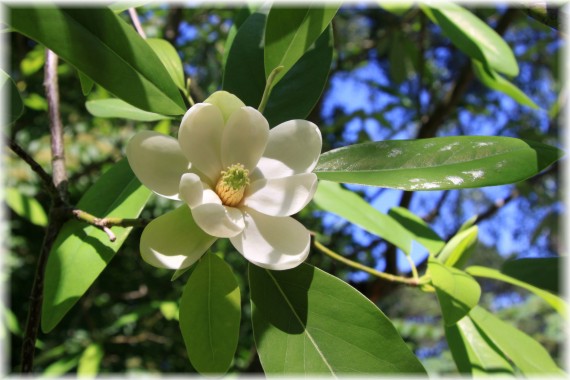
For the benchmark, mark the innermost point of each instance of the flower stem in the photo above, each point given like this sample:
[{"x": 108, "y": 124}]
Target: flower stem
[
  {"x": 374, "y": 272},
  {"x": 268, "y": 88},
  {"x": 412, "y": 267}
]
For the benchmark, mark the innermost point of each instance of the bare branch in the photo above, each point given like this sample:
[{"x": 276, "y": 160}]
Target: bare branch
[{"x": 137, "y": 22}]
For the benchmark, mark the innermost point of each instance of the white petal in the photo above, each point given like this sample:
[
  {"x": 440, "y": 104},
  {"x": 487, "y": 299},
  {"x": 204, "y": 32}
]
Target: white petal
[
  {"x": 173, "y": 240},
  {"x": 200, "y": 137},
  {"x": 281, "y": 196},
  {"x": 227, "y": 103},
  {"x": 218, "y": 220},
  {"x": 270, "y": 242},
  {"x": 191, "y": 189},
  {"x": 157, "y": 161},
  {"x": 293, "y": 147},
  {"x": 245, "y": 137}
]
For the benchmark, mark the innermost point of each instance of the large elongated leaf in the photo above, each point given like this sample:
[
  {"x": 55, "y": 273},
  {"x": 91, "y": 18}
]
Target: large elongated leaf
[
  {"x": 473, "y": 37},
  {"x": 542, "y": 272},
  {"x": 306, "y": 321},
  {"x": 526, "y": 353},
  {"x": 333, "y": 198},
  {"x": 106, "y": 49},
  {"x": 473, "y": 352},
  {"x": 170, "y": 59},
  {"x": 422, "y": 233},
  {"x": 290, "y": 32},
  {"x": 111, "y": 108},
  {"x": 496, "y": 82},
  {"x": 459, "y": 248},
  {"x": 81, "y": 252},
  {"x": 437, "y": 163},
  {"x": 210, "y": 315},
  {"x": 556, "y": 302},
  {"x": 456, "y": 291}
]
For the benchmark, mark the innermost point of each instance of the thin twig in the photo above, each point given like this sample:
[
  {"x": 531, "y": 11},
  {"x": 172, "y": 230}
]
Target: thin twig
[
  {"x": 268, "y": 88},
  {"x": 137, "y": 22},
  {"x": 105, "y": 223}
]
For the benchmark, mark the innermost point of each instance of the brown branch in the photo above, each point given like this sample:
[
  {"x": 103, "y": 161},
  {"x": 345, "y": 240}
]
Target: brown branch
[
  {"x": 435, "y": 211},
  {"x": 137, "y": 22}
]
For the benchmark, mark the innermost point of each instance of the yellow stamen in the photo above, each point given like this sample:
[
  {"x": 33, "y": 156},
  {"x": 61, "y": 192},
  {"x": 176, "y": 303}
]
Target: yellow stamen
[{"x": 232, "y": 184}]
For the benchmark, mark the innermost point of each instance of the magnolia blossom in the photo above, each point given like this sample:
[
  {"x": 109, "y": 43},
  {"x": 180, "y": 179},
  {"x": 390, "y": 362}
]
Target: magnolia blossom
[{"x": 238, "y": 179}]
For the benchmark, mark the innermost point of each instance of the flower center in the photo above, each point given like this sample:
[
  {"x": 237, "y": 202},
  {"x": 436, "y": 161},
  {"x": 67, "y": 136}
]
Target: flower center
[{"x": 231, "y": 185}]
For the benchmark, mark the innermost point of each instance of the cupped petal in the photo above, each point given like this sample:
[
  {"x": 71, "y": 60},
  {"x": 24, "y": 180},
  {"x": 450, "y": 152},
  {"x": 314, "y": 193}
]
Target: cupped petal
[
  {"x": 173, "y": 240},
  {"x": 245, "y": 137},
  {"x": 191, "y": 189},
  {"x": 157, "y": 161},
  {"x": 281, "y": 196},
  {"x": 219, "y": 220},
  {"x": 227, "y": 103},
  {"x": 200, "y": 137},
  {"x": 276, "y": 243},
  {"x": 293, "y": 147}
]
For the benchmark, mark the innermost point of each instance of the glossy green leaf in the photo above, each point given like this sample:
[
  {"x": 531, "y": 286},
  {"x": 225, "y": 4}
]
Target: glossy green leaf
[
  {"x": 80, "y": 251},
  {"x": 240, "y": 16},
  {"x": 333, "y": 198},
  {"x": 496, "y": 82},
  {"x": 170, "y": 59},
  {"x": 210, "y": 314},
  {"x": 556, "y": 302},
  {"x": 110, "y": 52},
  {"x": 27, "y": 207},
  {"x": 90, "y": 360},
  {"x": 307, "y": 322},
  {"x": 422, "y": 233},
  {"x": 116, "y": 108},
  {"x": 526, "y": 353},
  {"x": 290, "y": 32},
  {"x": 473, "y": 36},
  {"x": 300, "y": 89},
  {"x": 459, "y": 248},
  {"x": 473, "y": 352},
  {"x": 542, "y": 272},
  {"x": 438, "y": 163},
  {"x": 86, "y": 83},
  {"x": 456, "y": 291}
]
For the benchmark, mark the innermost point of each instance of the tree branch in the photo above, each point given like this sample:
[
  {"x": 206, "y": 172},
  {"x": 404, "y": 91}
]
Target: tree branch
[{"x": 137, "y": 22}]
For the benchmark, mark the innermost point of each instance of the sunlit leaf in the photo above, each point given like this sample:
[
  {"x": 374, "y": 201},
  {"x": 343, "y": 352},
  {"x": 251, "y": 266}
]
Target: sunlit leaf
[
  {"x": 116, "y": 108},
  {"x": 81, "y": 252},
  {"x": 210, "y": 315},
  {"x": 106, "y": 49},
  {"x": 90, "y": 360},
  {"x": 36, "y": 102},
  {"x": 291, "y": 31},
  {"x": 526, "y": 353},
  {"x": 459, "y": 248},
  {"x": 496, "y": 82},
  {"x": 456, "y": 291},
  {"x": 398, "y": 8},
  {"x": 33, "y": 61},
  {"x": 422, "y": 233},
  {"x": 170, "y": 59},
  {"x": 473, "y": 36},
  {"x": 556, "y": 302},
  {"x": 26, "y": 207},
  {"x": 542, "y": 272},
  {"x": 437, "y": 163},
  {"x": 307, "y": 322},
  {"x": 61, "y": 367}
]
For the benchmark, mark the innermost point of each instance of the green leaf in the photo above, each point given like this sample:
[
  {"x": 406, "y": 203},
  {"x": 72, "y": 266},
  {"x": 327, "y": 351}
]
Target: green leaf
[
  {"x": 16, "y": 103},
  {"x": 170, "y": 59},
  {"x": 33, "y": 61},
  {"x": 473, "y": 36},
  {"x": 86, "y": 83},
  {"x": 121, "y": 5},
  {"x": 290, "y": 32},
  {"x": 111, "y": 108},
  {"x": 526, "y": 353},
  {"x": 456, "y": 291},
  {"x": 459, "y": 248},
  {"x": 556, "y": 302},
  {"x": 241, "y": 15},
  {"x": 295, "y": 96},
  {"x": 473, "y": 352},
  {"x": 468, "y": 223},
  {"x": 397, "y": 8},
  {"x": 90, "y": 360},
  {"x": 60, "y": 367},
  {"x": 169, "y": 310},
  {"x": 210, "y": 314},
  {"x": 438, "y": 163},
  {"x": 80, "y": 251},
  {"x": 496, "y": 82},
  {"x": 36, "y": 102},
  {"x": 306, "y": 321},
  {"x": 422, "y": 233},
  {"x": 106, "y": 49},
  {"x": 541, "y": 272},
  {"x": 26, "y": 207},
  {"x": 333, "y": 198}
]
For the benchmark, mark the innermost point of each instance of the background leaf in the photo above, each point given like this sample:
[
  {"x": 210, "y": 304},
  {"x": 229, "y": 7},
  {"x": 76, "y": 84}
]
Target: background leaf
[
  {"x": 110, "y": 108},
  {"x": 26, "y": 207},
  {"x": 106, "y": 49},
  {"x": 542, "y": 272},
  {"x": 306, "y": 321},
  {"x": 81, "y": 252},
  {"x": 456, "y": 291},
  {"x": 90, "y": 360},
  {"x": 438, "y": 163},
  {"x": 290, "y": 32},
  {"x": 210, "y": 315},
  {"x": 16, "y": 105}
]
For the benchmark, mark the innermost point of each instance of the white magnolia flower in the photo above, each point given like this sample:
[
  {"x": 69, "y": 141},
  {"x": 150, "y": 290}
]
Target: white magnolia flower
[{"x": 239, "y": 180}]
